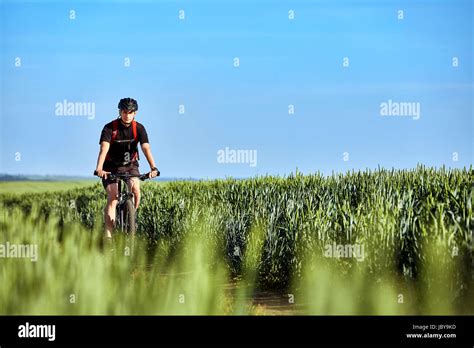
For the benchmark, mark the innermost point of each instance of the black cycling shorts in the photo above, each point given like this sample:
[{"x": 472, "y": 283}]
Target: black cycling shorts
[{"x": 130, "y": 169}]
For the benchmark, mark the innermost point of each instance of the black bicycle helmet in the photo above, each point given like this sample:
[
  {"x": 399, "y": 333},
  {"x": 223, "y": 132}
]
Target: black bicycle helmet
[{"x": 128, "y": 104}]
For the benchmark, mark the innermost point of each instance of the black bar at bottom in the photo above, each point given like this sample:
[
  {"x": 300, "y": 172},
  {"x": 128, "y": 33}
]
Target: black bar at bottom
[{"x": 239, "y": 330}]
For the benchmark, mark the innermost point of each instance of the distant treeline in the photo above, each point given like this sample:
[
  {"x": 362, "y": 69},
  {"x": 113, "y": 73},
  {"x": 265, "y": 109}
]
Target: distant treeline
[{"x": 19, "y": 177}]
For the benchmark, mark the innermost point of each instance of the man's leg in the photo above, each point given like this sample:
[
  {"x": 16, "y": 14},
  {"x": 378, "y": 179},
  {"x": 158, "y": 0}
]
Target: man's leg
[
  {"x": 134, "y": 187},
  {"x": 109, "y": 211}
]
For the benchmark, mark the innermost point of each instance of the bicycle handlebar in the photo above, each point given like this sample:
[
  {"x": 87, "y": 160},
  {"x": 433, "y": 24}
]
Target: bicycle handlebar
[{"x": 142, "y": 177}]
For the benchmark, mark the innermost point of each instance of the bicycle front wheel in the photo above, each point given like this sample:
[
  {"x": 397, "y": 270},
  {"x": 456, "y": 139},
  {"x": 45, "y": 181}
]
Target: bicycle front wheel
[{"x": 129, "y": 217}]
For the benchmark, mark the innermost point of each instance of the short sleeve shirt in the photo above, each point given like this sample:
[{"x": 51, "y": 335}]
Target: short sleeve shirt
[{"x": 124, "y": 148}]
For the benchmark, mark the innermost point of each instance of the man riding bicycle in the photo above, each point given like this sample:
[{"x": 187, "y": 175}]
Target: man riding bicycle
[{"x": 119, "y": 155}]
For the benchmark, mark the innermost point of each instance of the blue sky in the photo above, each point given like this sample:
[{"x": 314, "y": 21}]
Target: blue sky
[{"x": 282, "y": 62}]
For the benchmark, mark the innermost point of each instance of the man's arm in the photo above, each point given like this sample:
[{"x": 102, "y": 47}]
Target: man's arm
[
  {"x": 146, "y": 148},
  {"x": 104, "y": 148}
]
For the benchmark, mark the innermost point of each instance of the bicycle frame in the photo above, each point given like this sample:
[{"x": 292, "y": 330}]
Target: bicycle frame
[
  {"x": 124, "y": 195},
  {"x": 125, "y": 210}
]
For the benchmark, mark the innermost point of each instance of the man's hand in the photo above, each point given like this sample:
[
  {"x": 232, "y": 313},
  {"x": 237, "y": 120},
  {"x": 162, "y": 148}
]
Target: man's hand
[
  {"x": 153, "y": 173},
  {"x": 102, "y": 173}
]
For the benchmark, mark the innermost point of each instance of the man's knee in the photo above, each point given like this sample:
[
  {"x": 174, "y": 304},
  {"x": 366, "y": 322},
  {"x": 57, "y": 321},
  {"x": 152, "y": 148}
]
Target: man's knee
[
  {"x": 112, "y": 204},
  {"x": 112, "y": 199},
  {"x": 136, "y": 193},
  {"x": 135, "y": 187},
  {"x": 136, "y": 196}
]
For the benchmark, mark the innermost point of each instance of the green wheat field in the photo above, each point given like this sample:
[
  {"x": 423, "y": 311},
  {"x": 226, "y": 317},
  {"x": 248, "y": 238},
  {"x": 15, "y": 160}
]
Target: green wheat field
[{"x": 260, "y": 246}]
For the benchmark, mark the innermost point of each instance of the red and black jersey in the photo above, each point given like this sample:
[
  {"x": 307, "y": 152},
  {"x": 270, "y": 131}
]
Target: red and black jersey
[{"x": 123, "y": 142}]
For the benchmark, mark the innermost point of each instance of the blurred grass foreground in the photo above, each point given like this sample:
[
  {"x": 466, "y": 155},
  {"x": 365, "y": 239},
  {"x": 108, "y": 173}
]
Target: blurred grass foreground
[{"x": 382, "y": 242}]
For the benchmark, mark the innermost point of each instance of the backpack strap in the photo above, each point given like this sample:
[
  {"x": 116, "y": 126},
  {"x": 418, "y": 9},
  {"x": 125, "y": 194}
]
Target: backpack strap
[
  {"x": 136, "y": 156},
  {"x": 134, "y": 129}
]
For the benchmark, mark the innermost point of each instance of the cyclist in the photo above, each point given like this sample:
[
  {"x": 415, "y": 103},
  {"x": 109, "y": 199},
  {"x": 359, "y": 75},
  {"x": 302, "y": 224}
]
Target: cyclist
[{"x": 119, "y": 154}]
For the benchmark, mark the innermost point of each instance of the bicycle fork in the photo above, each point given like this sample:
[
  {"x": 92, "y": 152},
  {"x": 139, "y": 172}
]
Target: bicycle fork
[{"x": 123, "y": 197}]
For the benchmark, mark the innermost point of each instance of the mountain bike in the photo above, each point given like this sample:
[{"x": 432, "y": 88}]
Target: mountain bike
[{"x": 125, "y": 211}]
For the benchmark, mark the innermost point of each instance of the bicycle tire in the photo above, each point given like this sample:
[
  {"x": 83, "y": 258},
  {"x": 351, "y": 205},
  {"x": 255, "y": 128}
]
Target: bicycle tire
[{"x": 129, "y": 217}]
